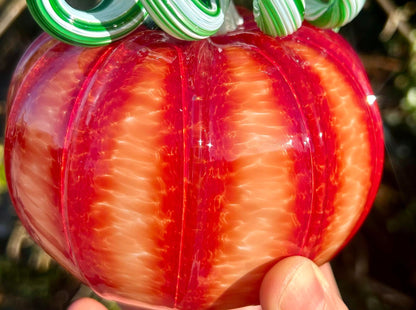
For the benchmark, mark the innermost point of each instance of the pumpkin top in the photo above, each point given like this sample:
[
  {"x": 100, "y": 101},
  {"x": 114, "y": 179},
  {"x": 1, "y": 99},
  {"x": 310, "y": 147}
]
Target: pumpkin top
[{"x": 110, "y": 20}]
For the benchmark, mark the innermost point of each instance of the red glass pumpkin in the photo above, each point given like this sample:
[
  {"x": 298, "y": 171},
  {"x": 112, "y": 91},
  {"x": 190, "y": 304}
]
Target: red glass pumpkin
[{"x": 169, "y": 173}]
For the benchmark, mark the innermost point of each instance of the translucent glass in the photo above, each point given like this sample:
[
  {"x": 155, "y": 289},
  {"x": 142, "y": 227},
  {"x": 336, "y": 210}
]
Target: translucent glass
[{"x": 175, "y": 174}]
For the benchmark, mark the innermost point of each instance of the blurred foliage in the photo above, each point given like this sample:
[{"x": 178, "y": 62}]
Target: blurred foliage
[
  {"x": 24, "y": 287},
  {"x": 3, "y": 183},
  {"x": 376, "y": 271}
]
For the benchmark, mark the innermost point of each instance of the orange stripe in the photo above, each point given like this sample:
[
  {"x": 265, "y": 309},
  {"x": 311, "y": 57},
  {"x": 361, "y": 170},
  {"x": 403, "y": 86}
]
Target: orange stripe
[
  {"x": 259, "y": 219},
  {"x": 130, "y": 202},
  {"x": 119, "y": 246}
]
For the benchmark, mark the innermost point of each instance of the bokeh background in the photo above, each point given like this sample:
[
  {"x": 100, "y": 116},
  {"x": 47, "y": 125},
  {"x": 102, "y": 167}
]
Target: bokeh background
[{"x": 376, "y": 271}]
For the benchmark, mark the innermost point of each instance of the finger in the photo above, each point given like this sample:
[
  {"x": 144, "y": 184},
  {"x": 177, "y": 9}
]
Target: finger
[
  {"x": 297, "y": 283},
  {"x": 329, "y": 276},
  {"x": 86, "y": 304},
  {"x": 107, "y": 22}
]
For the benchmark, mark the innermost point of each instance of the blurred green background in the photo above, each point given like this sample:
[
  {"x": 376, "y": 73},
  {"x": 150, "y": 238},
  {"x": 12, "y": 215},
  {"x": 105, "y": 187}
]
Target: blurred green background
[{"x": 376, "y": 271}]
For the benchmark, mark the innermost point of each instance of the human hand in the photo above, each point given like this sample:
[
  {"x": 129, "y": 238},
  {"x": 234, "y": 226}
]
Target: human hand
[
  {"x": 298, "y": 283},
  {"x": 293, "y": 283}
]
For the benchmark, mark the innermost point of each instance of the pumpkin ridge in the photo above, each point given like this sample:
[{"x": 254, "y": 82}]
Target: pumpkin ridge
[
  {"x": 312, "y": 106},
  {"x": 325, "y": 43},
  {"x": 46, "y": 111},
  {"x": 125, "y": 190},
  {"x": 204, "y": 152},
  {"x": 262, "y": 162},
  {"x": 185, "y": 170},
  {"x": 358, "y": 81},
  {"x": 82, "y": 92},
  {"x": 15, "y": 96},
  {"x": 304, "y": 121},
  {"x": 358, "y": 171},
  {"x": 327, "y": 133}
]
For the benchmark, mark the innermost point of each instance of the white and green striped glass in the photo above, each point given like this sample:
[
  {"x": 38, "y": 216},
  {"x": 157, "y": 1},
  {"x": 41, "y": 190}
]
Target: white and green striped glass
[
  {"x": 332, "y": 13},
  {"x": 107, "y": 22},
  {"x": 187, "y": 19},
  {"x": 278, "y": 17}
]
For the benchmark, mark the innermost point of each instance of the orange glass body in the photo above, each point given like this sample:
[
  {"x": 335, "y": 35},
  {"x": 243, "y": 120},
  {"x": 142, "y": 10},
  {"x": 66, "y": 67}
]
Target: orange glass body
[{"x": 174, "y": 174}]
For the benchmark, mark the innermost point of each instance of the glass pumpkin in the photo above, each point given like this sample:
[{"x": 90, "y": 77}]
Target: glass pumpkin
[{"x": 174, "y": 174}]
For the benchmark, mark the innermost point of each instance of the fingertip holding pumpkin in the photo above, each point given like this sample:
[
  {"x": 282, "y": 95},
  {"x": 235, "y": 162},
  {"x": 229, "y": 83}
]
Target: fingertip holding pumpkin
[
  {"x": 86, "y": 304},
  {"x": 298, "y": 283}
]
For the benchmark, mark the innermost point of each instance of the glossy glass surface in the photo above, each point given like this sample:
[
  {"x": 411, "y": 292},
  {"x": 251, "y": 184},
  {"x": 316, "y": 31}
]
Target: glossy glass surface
[{"x": 168, "y": 173}]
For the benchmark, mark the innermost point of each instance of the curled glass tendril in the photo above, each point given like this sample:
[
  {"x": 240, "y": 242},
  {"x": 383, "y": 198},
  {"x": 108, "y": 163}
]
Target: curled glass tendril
[{"x": 111, "y": 20}]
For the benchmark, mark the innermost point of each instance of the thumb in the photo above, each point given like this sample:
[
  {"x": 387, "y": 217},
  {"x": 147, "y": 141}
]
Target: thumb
[
  {"x": 86, "y": 304},
  {"x": 298, "y": 283}
]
